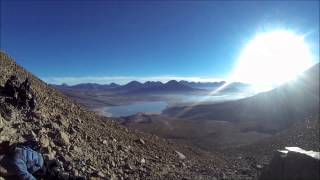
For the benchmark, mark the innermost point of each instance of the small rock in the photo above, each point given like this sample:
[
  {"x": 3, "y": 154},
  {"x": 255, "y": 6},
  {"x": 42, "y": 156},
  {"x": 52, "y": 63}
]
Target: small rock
[
  {"x": 92, "y": 168},
  {"x": 62, "y": 121},
  {"x": 78, "y": 120},
  {"x": 72, "y": 130},
  {"x": 182, "y": 164},
  {"x": 52, "y": 144},
  {"x": 44, "y": 141},
  {"x": 113, "y": 164},
  {"x": 37, "y": 115},
  {"x": 143, "y": 161},
  {"x": 69, "y": 167},
  {"x": 31, "y": 136},
  {"x": 180, "y": 155},
  {"x": 54, "y": 126},
  {"x": 42, "y": 131},
  {"x": 141, "y": 141},
  {"x": 105, "y": 142},
  {"x": 258, "y": 166},
  {"x": 65, "y": 175},
  {"x": 128, "y": 166},
  {"x": 1, "y": 122},
  {"x": 76, "y": 149},
  {"x": 100, "y": 174},
  {"x": 75, "y": 172},
  {"x": 67, "y": 158},
  {"x": 113, "y": 177},
  {"x": 88, "y": 138},
  {"x": 63, "y": 138}
]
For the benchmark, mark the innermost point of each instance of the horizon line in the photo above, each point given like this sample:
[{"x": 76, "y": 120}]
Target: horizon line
[{"x": 121, "y": 80}]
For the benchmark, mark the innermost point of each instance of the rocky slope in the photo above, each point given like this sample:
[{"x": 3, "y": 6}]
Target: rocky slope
[
  {"x": 257, "y": 156},
  {"x": 90, "y": 146}
]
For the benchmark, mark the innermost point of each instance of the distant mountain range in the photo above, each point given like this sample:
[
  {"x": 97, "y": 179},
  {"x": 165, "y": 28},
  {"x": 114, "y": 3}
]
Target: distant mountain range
[
  {"x": 203, "y": 85},
  {"x": 90, "y": 86},
  {"x": 151, "y": 87},
  {"x": 135, "y": 87}
]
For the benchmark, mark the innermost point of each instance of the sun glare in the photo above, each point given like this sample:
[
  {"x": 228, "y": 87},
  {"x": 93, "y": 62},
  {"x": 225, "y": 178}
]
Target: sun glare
[{"x": 273, "y": 58}]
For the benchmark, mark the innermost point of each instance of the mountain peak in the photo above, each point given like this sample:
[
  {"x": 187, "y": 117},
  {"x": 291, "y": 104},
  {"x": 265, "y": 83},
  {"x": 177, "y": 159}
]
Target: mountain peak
[{"x": 172, "y": 82}]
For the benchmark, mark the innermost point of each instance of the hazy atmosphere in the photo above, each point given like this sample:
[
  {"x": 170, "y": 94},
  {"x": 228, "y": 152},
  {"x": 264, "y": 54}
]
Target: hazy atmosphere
[{"x": 159, "y": 90}]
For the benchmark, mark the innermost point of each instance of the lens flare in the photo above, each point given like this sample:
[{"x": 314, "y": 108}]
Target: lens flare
[{"x": 272, "y": 58}]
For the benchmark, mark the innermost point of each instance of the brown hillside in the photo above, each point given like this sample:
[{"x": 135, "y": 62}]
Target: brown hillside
[{"x": 88, "y": 145}]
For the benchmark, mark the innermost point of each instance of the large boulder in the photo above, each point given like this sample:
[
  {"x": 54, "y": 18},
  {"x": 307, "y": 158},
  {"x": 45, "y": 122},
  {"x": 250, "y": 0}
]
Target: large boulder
[{"x": 293, "y": 163}]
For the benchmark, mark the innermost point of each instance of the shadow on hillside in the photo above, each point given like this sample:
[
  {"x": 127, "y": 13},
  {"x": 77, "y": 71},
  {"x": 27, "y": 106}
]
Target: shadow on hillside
[{"x": 1, "y": 90}]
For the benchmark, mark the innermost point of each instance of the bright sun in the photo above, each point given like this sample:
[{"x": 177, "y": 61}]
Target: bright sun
[{"x": 273, "y": 58}]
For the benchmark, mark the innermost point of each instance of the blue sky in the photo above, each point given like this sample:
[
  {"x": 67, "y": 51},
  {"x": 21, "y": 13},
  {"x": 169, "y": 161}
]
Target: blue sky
[{"x": 99, "y": 41}]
